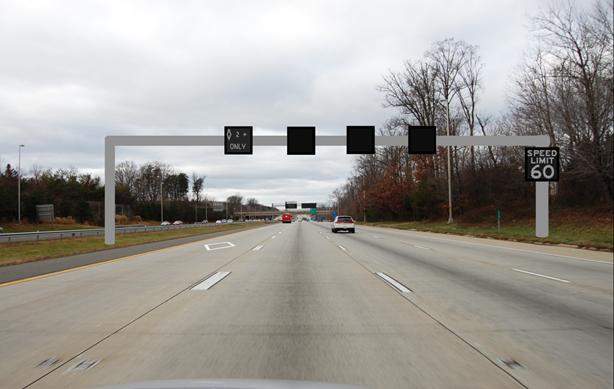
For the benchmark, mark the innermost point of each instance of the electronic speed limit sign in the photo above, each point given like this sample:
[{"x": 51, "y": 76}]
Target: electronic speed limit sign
[{"x": 541, "y": 163}]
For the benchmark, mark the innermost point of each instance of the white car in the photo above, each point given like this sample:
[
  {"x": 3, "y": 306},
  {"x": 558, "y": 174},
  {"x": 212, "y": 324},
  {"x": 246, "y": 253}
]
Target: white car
[
  {"x": 218, "y": 222},
  {"x": 343, "y": 223},
  {"x": 165, "y": 224},
  {"x": 229, "y": 221}
]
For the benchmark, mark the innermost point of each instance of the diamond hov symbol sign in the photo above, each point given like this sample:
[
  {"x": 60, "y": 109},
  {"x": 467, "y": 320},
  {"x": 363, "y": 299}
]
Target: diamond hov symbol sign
[
  {"x": 541, "y": 163},
  {"x": 238, "y": 140}
]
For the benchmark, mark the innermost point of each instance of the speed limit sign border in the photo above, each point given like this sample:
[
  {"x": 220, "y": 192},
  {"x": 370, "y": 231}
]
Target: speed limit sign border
[{"x": 541, "y": 164}]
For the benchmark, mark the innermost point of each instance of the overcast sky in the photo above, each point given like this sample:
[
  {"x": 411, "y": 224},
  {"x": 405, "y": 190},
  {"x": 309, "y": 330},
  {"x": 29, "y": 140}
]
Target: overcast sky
[{"x": 73, "y": 72}]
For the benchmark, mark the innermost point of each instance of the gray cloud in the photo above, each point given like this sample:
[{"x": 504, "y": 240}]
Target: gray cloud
[{"x": 74, "y": 72}]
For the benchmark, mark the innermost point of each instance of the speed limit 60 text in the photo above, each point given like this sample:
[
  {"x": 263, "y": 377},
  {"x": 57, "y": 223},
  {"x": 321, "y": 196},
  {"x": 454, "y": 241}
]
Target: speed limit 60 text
[{"x": 541, "y": 163}]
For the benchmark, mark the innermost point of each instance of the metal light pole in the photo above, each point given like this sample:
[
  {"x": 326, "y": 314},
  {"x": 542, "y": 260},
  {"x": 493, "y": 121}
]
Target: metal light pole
[
  {"x": 450, "y": 220},
  {"x": 19, "y": 187},
  {"x": 364, "y": 210},
  {"x": 206, "y": 206},
  {"x": 161, "y": 204}
]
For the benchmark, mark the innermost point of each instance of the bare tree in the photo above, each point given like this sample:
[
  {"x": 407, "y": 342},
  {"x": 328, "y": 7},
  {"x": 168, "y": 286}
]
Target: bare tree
[
  {"x": 234, "y": 201},
  {"x": 126, "y": 175},
  {"x": 415, "y": 92},
  {"x": 566, "y": 89},
  {"x": 198, "y": 184},
  {"x": 152, "y": 176},
  {"x": 448, "y": 58},
  {"x": 38, "y": 172}
]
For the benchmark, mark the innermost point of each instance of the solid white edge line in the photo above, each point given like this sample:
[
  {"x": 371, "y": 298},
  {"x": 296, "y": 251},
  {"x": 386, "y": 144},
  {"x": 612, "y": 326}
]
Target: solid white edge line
[
  {"x": 209, "y": 282},
  {"x": 423, "y": 248},
  {"x": 257, "y": 248},
  {"x": 342, "y": 248},
  {"x": 394, "y": 283},
  {"x": 541, "y": 275},
  {"x": 526, "y": 251},
  {"x": 375, "y": 236}
]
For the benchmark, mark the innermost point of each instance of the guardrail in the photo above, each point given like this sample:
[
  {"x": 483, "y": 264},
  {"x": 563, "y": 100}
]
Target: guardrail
[{"x": 23, "y": 236}]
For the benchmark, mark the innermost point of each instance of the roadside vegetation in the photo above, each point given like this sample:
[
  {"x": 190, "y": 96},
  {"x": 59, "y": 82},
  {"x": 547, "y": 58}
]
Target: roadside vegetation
[{"x": 583, "y": 228}]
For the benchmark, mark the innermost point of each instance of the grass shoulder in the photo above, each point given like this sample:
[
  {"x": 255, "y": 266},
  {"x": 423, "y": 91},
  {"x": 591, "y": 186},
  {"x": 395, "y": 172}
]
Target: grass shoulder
[
  {"x": 29, "y": 251},
  {"x": 590, "y": 229}
]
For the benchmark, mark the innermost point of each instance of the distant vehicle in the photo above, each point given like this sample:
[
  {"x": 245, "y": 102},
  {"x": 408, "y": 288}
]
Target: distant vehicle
[
  {"x": 241, "y": 220},
  {"x": 205, "y": 221},
  {"x": 223, "y": 220},
  {"x": 229, "y": 221},
  {"x": 177, "y": 223},
  {"x": 343, "y": 223},
  {"x": 286, "y": 218},
  {"x": 218, "y": 222},
  {"x": 165, "y": 224}
]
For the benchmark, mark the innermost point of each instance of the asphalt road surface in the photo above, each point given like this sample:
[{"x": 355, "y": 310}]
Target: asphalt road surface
[{"x": 379, "y": 308}]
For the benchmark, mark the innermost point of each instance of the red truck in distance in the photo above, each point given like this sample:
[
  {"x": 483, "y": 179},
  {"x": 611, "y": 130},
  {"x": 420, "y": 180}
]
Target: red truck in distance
[{"x": 286, "y": 218}]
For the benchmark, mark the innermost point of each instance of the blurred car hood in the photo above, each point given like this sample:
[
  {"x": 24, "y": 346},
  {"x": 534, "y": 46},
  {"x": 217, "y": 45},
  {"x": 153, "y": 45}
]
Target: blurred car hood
[{"x": 230, "y": 383}]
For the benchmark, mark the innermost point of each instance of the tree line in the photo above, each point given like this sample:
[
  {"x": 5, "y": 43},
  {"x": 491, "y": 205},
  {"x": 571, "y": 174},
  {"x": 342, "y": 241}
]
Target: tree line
[
  {"x": 562, "y": 88},
  {"x": 69, "y": 192},
  {"x": 143, "y": 188}
]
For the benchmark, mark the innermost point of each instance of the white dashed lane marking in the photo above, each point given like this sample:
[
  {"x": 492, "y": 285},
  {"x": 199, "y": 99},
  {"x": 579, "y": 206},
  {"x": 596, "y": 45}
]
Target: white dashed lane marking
[
  {"x": 397, "y": 285},
  {"x": 540, "y": 275},
  {"x": 209, "y": 282}
]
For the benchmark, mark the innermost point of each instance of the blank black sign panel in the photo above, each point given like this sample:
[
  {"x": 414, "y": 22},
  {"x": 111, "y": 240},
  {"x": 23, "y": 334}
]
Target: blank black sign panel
[
  {"x": 422, "y": 140},
  {"x": 301, "y": 140},
  {"x": 360, "y": 140}
]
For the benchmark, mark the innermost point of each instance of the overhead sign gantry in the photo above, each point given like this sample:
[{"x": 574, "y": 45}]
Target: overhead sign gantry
[{"x": 358, "y": 140}]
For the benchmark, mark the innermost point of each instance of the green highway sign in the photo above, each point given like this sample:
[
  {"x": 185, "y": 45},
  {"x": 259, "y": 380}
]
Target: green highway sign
[{"x": 312, "y": 211}]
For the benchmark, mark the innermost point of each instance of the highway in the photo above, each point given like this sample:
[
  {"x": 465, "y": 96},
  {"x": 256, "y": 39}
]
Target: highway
[{"x": 379, "y": 308}]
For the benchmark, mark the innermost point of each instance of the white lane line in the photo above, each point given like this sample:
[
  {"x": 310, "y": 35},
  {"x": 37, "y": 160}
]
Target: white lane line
[
  {"x": 327, "y": 238},
  {"x": 393, "y": 282},
  {"x": 376, "y": 237},
  {"x": 423, "y": 248},
  {"x": 342, "y": 248},
  {"x": 257, "y": 248},
  {"x": 229, "y": 245},
  {"x": 209, "y": 282},
  {"x": 280, "y": 232},
  {"x": 540, "y": 275},
  {"x": 274, "y": 236}
]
